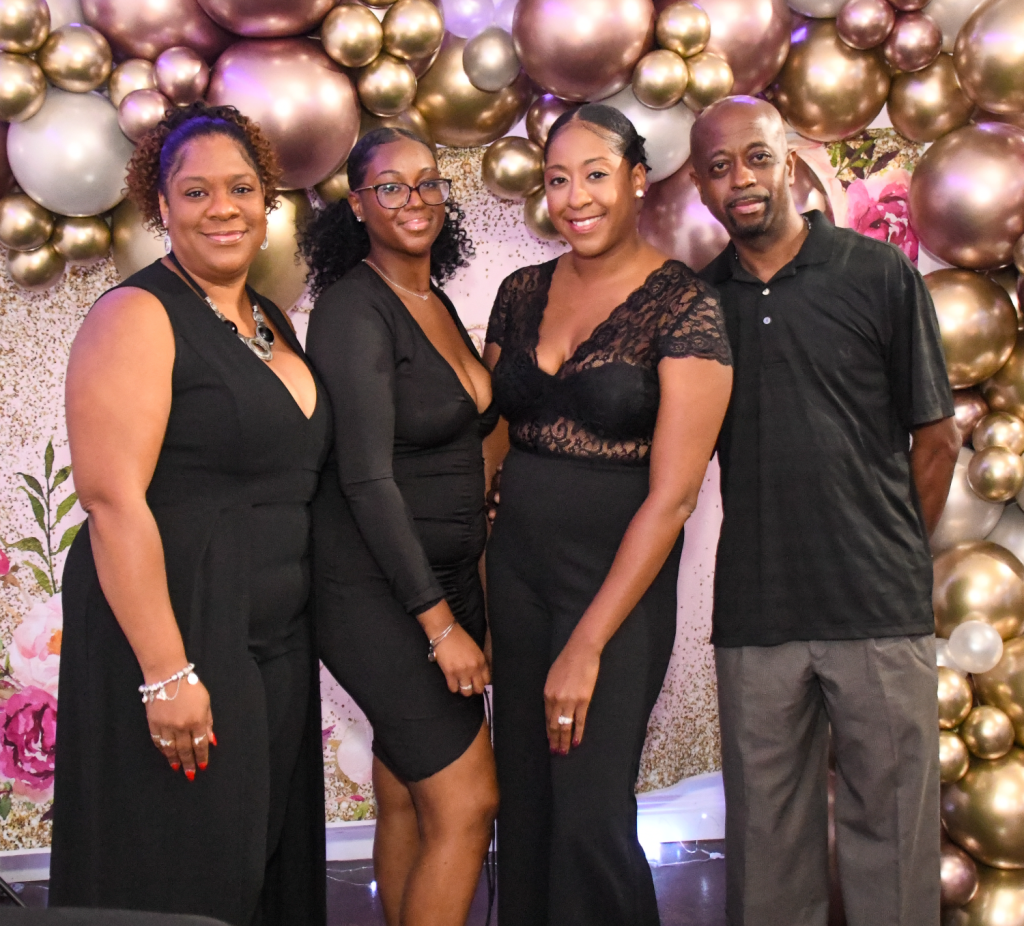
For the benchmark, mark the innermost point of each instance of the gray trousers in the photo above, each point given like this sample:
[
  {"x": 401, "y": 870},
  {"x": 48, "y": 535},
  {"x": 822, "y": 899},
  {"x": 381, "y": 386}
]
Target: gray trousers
[{"x": 776, "y": 704}]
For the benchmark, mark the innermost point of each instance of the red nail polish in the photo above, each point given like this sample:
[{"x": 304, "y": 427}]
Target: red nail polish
[
  {"x": 202, "y": 766},
  {"x": 564, "y": 752},
  {"x": 190, "y": 774},
  {"x": 175, "y": 765},
  {"x": 213, "y": 738}
]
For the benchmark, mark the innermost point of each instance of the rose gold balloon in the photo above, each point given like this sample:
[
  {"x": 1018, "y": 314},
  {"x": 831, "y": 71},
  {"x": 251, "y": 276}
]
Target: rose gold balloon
[
  {"x": 352, "y": 35},
  {"x": 683, "y": 27},
  {"x": 752, "y": 35},
  {"x": 989, "y": 56},
  {"x": 958, "y": 874},
  {"x": 954, "y": 759},
  {"x": 6, "y": 176},
  {"x": 809, "y": 192},
  {"x": 978, "y": 581},
  {"x": 181, "y": 75},
  {"x": 987, "y": 732},
  {"x": 267, "y": 18},
  {"x": 955, "y": 698},
  {"x": 582, "y": 49},
  {"x": 144, "y": 28},
  {"x": 22, "y": 87},
  {"x": 914, "y": 43},
  {"x": 24, "y": 25},
  {"x": 827, "y": 90},
  {"x": 24, "y": 224},
  {"x": 1018, "y": 255},
  {"x": 81, "y": 240},
  {"x": 133, "y": 74},
  {"x": 387, "y": 86},
  {"x": 36, "y": 270},
  {"x": 977, "y": 322},
  {"x": 458, "y": 114},
  {"x": 865, "y": 24},
  {"x": 909, "y": 6},
  {"x": 711, "y": 79},
  {"x": 967, "y": 195},
  {"x": 969, "y": 408},
  {"x": 929, "y": 103},
  {"x": 542, "y": 115},
  {"x": 660, "y": 78},
  {"x": 999, "y": 429},
  {"x": 537, "y": 217},
  {"x": 142, "y": 111},
  {"x": 675, "y": 221},
  {"x": 278, "y": 272},
  {"x": 304, "y": 104},
  {"x": 513, "y": 168}
]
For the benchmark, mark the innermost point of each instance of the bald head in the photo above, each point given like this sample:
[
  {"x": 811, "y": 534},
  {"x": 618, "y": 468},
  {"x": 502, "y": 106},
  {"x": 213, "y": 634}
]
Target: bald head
[{"x": 744, "y": 117}]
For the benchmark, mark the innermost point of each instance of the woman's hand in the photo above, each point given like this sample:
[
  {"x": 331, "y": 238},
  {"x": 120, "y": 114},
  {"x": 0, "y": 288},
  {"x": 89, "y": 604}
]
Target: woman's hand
[
  {"x": 493, "y": 497},
  {"x": 463, "y": 663},
  {"x": 567, "y": 693},
  {"x": 182, "y": 728}
]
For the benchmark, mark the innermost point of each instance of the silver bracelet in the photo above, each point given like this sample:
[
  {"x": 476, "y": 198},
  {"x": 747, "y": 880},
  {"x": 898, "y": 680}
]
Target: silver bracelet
[
  {"x": 158, "y": 690},
  {"x": 431, "y": 655}
]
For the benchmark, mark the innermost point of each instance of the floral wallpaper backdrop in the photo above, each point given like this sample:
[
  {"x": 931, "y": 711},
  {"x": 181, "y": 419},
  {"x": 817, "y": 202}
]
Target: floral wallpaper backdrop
[{"x": 866, "y": 179}]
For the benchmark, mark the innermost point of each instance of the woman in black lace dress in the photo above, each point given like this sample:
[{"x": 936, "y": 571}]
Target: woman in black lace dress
[{"x": 612, "y": 367}]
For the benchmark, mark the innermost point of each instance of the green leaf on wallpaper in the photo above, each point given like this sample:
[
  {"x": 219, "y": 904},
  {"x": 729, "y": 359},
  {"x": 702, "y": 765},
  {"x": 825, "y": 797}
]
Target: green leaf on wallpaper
[
  {"x": 69, "y": 536},
  {"x": 37, "y": 508},
  {"x": 33, "y": 484},
  {"x": 65, "y": 506},
  {"x": 61, "y": 477},
  {"x": 29, "y": 545},
  {"x": 48, "y": 458},
  {"x": 42, "y": 578},
  {"x": 5, "y": 806}
]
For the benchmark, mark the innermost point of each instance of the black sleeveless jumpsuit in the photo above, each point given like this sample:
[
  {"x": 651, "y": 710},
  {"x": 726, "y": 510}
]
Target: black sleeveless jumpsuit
[{"x": 231, "y": 495}]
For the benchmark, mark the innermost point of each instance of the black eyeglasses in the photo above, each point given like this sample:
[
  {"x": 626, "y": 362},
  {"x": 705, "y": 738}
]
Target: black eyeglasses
[{"x": 396, "y": 195}]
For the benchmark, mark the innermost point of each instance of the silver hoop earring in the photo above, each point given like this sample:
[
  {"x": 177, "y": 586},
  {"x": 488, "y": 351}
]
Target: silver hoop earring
[
  {"x": 167, "y": 244},
  {"x": 266, "y": 242}
]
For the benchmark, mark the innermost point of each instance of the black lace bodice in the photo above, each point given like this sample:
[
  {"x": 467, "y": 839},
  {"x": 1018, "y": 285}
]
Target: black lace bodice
[{"x": 603, "y": 402}]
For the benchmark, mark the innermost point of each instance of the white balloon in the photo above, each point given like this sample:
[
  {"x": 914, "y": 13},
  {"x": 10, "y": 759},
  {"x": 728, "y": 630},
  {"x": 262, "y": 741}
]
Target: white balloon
[
  {"x": 942, "y": 657},
  {"x": 976, "y": 646},
  {"x": 355, "y": 753},
  {"x": 666, "y": 132},
  {"x": 817, "y": 9},
  {"x": 466, "y": 18},
  {"x": 965, "y": 517},
  {"x": 71, "y": 156},
  {"x": 949, "y": 16},
  {"x": 63, "y": 12},
  {"x": 504, "y": 12}
]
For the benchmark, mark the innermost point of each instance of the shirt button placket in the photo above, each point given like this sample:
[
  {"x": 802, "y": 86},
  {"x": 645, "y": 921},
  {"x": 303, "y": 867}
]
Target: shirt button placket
[{"x": 767, "y": 319}]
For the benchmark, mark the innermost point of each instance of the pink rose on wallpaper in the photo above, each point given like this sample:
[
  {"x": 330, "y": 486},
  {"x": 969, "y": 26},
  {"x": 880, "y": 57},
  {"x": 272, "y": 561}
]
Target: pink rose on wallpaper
[
  {"x": 877, "y": 207},
  {"x": 35, "y": 650},
  {"x": 28, "y": 737},
  {"x": 5, "y": 564}
]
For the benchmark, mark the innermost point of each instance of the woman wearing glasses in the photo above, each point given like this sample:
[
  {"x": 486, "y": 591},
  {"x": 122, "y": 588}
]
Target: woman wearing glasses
[{"x": 399, "y": 522}]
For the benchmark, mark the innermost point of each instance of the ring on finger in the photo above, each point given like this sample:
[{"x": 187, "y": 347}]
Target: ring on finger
[
  {"x": 465, "y": 687},
  {"x": 564, "y": 721},
  {"x": 196, "y": 740},
  {"x": 165, "y": 743}
]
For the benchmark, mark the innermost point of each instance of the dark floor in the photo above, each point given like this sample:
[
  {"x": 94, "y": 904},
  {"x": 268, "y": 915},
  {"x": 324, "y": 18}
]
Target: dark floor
[{"x": 690, "y": 881}]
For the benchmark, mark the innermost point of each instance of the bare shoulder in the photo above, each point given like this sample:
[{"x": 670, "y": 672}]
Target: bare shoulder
[{"x": 126, "y": 316}]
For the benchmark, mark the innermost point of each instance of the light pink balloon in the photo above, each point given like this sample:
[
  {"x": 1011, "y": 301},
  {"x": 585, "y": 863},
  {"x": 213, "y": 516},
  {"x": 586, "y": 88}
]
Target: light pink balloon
[
  {"x": 267, "y": 18},
  {"x": 144, "y": 28},
  {"x": 305, "y": 105}
]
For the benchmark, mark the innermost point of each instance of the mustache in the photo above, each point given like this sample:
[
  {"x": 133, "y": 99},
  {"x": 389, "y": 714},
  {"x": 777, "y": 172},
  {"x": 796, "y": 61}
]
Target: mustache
[{"x": 748, "y": 198}]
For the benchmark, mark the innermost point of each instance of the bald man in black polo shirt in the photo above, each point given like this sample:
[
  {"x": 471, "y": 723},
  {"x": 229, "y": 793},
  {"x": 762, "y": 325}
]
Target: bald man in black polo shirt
[{"x": 836, "y": 453}]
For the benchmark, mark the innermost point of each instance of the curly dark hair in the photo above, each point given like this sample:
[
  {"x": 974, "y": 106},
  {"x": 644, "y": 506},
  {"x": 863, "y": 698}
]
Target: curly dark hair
[
  {"x": 158, "y": 155},
  {"x": 333, "y": 242},
  {"x": 611, "y": 125}
]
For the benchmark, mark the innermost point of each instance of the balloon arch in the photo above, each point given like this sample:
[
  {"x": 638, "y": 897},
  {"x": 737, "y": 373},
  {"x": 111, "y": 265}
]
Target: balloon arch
[{"x": 81, "y": 81}]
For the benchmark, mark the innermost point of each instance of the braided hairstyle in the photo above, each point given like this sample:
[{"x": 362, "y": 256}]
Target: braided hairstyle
[
  {"x": 159, "y": 154},
  {"x": 606, "y": 121},
  {"x": 333, "y": 242}
]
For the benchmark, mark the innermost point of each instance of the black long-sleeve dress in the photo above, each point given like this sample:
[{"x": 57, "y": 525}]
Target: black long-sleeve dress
[
  {"x": 231, "y": 495},
  {"x": 398, "y": 520}
]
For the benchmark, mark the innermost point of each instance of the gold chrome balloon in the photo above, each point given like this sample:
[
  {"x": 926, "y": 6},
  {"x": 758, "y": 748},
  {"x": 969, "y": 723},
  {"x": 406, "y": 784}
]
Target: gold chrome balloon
[
  {"x": 989, "y": 56},
  {"x": 181, "y": 75},
  {"x": 955, "y": 698},
  {"x": 267, "y": 18},
  {"x": 977, "y": 322},
  {"x": 542, "y": 115},
  {"x": 999, "y": 429},
  {"x": 537, "y": 217},
  {"x": 683, "y": 27},
  {"x": 24, "y": 25},
  {"x": 966, "y": 516},
  {"x": 1003, "y": 686},
  {"x": 142, "y": 111},
  {"x": 1005, "y": 390},
  {"x": 914, "y": 43},
  {"x": 967, "y": 195},
  {"x": 958, "y": 875},
  {"x": 978, "y": 581},
  {"x": 710, "y": 79},
  {"x": 660, "y": 78},
  {"x": 513, "y": 168},
  {"x": 999, "y": 901},
  {"x": 969, "y": 407},
  {"x": 865, "y": 24},
  {"x": 386, "y": 86},
  {"x": 950, "y": 15},
  {"x": 352, "y": 35},
  {"x": 81, "y": 240},
  {"x": 927, "y": 104},
  {"x": 996, "y": 474},
  {"x": 76, "y": 58},
  {"x": 24, "y": 224},
  {"x": 490, "y": 60},
  {"x": 35, "y": 270},
  {"x": 752, "y": 35},
  {"x": 335, "y": 188},
  {"x": 410, "y": 119},
  {"x": 22, "y": 87},
  {"x": 278, "y": 272},
  {"x": 582, "y": 49},
  {"x": 134, "y": 246},
  {"x": 458, "y": 114},
  {"x": 413, "y": 29},
  {"x": 982, "y": 811},
  {"x": 1018, "y": 255},
  {"x": 954, "y": 759},
  {"x": 827, "y": 90},
  {"x": 987, "y": 732},
  {"x": 133, "y": 74}
]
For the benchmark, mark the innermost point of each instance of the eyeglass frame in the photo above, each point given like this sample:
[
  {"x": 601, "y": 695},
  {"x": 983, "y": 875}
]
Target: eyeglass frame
[{"x": 409, "y": 188}]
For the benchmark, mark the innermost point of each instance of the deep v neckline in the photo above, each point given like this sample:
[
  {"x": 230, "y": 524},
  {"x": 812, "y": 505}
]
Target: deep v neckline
[{"x": 595, "y": 331}]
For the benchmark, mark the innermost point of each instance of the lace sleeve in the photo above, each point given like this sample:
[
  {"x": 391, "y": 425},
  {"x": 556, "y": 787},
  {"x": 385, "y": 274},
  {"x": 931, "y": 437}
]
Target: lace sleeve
[
  {"x": 694, "y": 325},
  {"x": 499, "y": 312}
]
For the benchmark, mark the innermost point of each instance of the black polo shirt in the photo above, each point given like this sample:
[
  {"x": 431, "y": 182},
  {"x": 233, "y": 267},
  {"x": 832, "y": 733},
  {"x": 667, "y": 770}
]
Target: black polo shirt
[{"x": 836, "y": 360}]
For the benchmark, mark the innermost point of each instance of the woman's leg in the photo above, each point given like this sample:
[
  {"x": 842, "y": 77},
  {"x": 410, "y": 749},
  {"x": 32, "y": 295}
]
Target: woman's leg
[{"x": 396, "y": 840}]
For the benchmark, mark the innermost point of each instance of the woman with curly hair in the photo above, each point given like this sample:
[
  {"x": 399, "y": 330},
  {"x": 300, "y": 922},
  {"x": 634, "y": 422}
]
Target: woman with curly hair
[
  {"x": 197, "y": 435},
  {"x": 399, "y": 523}
]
